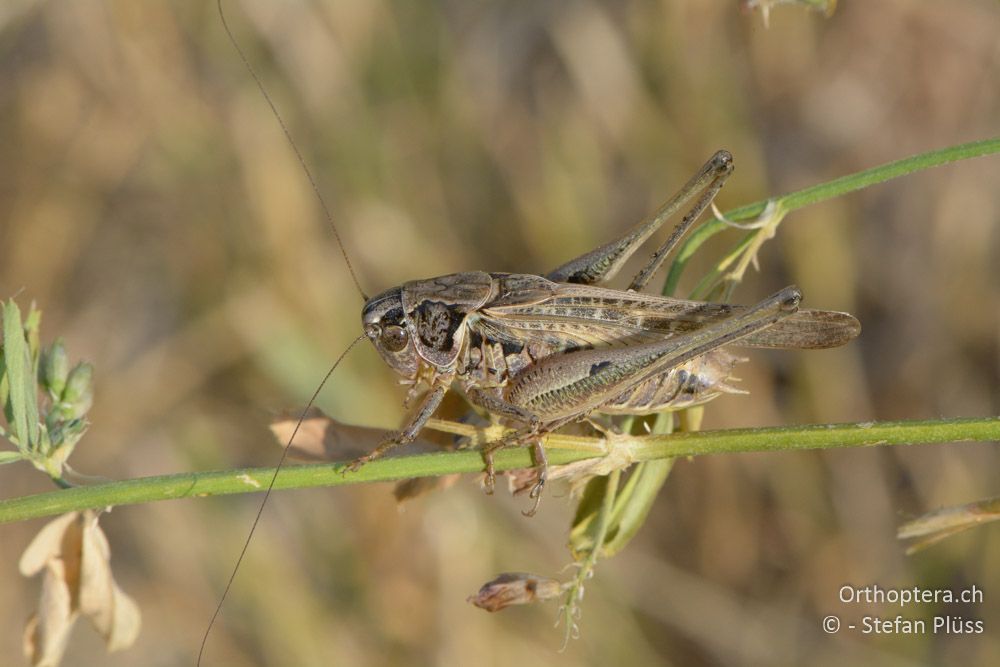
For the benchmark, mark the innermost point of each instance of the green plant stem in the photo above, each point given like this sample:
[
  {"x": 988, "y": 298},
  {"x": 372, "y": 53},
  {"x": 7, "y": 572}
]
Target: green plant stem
[
  {"x": 561, "y": 450},
  {"x": 828, "y": 190},
  {"x": 574, "y": 593}
]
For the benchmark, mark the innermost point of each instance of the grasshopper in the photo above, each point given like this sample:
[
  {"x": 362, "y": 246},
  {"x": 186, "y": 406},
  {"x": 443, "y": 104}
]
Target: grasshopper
[{"x": 541, "y": 352}]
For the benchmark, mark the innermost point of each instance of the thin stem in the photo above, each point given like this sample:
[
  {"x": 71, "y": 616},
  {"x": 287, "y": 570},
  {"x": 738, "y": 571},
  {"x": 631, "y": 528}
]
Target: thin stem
[
  {"x": 828, "y": 190},
  {"x": 586, "y": 569},
  {"x": 562, "y": 450}
]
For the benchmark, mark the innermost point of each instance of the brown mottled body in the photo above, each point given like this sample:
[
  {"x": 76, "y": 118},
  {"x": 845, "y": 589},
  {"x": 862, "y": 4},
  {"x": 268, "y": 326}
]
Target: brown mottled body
[{"x": 541, "y": 352}]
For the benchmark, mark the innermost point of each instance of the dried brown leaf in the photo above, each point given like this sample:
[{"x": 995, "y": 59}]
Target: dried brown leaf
[
  {"x": 48, "y": 629},
  {"x": 126, "y": 622},
  {"x": 96, "y": 584},
  {"x": 321, "y": 438},
  {"x": 515, "y": 588},
  {"x": 45, "y": 545},
  {"x": 75, "y": 558},
  {"x": 939, "y": 524},
  {"x": 408, "y": 489}
]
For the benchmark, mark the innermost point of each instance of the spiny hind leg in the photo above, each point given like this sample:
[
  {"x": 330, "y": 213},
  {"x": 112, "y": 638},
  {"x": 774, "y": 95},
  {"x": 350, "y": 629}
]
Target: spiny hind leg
[
  {"x": 716, "y": 172},
  {"x": 601, "y": 265}
]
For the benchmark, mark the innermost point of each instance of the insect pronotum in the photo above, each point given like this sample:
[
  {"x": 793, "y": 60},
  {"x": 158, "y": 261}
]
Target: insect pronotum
[{"x": 542, "y": 351}]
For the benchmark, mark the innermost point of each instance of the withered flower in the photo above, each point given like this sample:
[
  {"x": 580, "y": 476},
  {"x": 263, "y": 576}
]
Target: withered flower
[
  {"x": 73, "y": 554},
  {"x": 515, "y": 588}
]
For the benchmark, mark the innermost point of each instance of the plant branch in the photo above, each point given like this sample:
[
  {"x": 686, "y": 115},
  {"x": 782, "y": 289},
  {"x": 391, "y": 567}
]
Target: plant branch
[
  {"x": 562, "y": 449},
  {"x": 828, "y": 190}
]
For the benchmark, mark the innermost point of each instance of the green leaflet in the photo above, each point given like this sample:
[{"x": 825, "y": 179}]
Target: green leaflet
[
  {"x": 632, "y": 502},
  {"x": 21, "y": 408},
  {"x": 10, "y": 457}
]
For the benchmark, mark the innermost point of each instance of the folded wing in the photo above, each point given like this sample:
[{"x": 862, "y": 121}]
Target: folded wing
[{"x": 565, "y": 316}]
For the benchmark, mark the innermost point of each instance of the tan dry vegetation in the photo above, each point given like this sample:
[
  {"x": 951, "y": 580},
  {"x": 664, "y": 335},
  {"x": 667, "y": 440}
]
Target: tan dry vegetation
[{"x": 152, "y": 208}]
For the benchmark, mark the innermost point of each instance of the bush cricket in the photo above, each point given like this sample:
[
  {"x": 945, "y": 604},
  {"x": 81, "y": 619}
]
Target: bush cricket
[
  {"x": 544, "y": 351},
  {"x": 540, "y": 352}
]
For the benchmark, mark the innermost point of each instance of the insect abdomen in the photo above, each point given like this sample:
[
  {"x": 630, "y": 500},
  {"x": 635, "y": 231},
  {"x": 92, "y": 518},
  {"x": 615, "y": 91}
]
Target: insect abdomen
[{"x": 693, "y": 383}]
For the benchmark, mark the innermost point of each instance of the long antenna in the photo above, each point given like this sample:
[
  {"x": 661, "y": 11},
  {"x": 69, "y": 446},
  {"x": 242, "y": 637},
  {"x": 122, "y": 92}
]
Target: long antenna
[
  {"x": 295, "y": 148},
  {"x": 267, "y": 494}
]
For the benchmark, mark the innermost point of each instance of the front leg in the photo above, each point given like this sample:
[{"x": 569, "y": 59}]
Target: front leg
[{"x": 407, "y": 434}]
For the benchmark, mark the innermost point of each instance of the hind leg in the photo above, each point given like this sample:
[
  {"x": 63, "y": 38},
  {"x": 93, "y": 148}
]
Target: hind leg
[{"x": 601, "y": 265}]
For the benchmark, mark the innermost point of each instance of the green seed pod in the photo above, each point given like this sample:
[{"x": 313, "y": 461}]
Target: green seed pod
[
  {"x": 78, "y": 394},
  {"x": 55, "y": 369}
]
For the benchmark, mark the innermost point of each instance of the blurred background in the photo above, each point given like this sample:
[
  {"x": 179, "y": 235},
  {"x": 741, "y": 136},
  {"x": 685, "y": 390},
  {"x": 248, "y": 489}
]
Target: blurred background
[{"x": 152, "y": 208}]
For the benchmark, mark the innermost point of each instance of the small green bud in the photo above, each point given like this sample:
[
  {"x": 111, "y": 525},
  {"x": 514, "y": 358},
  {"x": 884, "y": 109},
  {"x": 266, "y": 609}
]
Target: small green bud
[
  {"x": 78, "y": 394},
  {"x": 64, "y": 439},
  {"x": 55, "y": 369}
]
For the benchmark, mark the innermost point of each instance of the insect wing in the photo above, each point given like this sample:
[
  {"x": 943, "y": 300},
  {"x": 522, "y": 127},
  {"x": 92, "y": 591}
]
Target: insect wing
[{"x": 575, "y": 316}]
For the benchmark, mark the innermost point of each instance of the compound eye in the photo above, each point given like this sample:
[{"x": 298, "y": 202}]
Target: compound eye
[{"x": 394, "y": 338}]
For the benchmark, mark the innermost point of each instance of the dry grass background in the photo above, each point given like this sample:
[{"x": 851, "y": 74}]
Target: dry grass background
[{"x": 150, "y": 205}]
